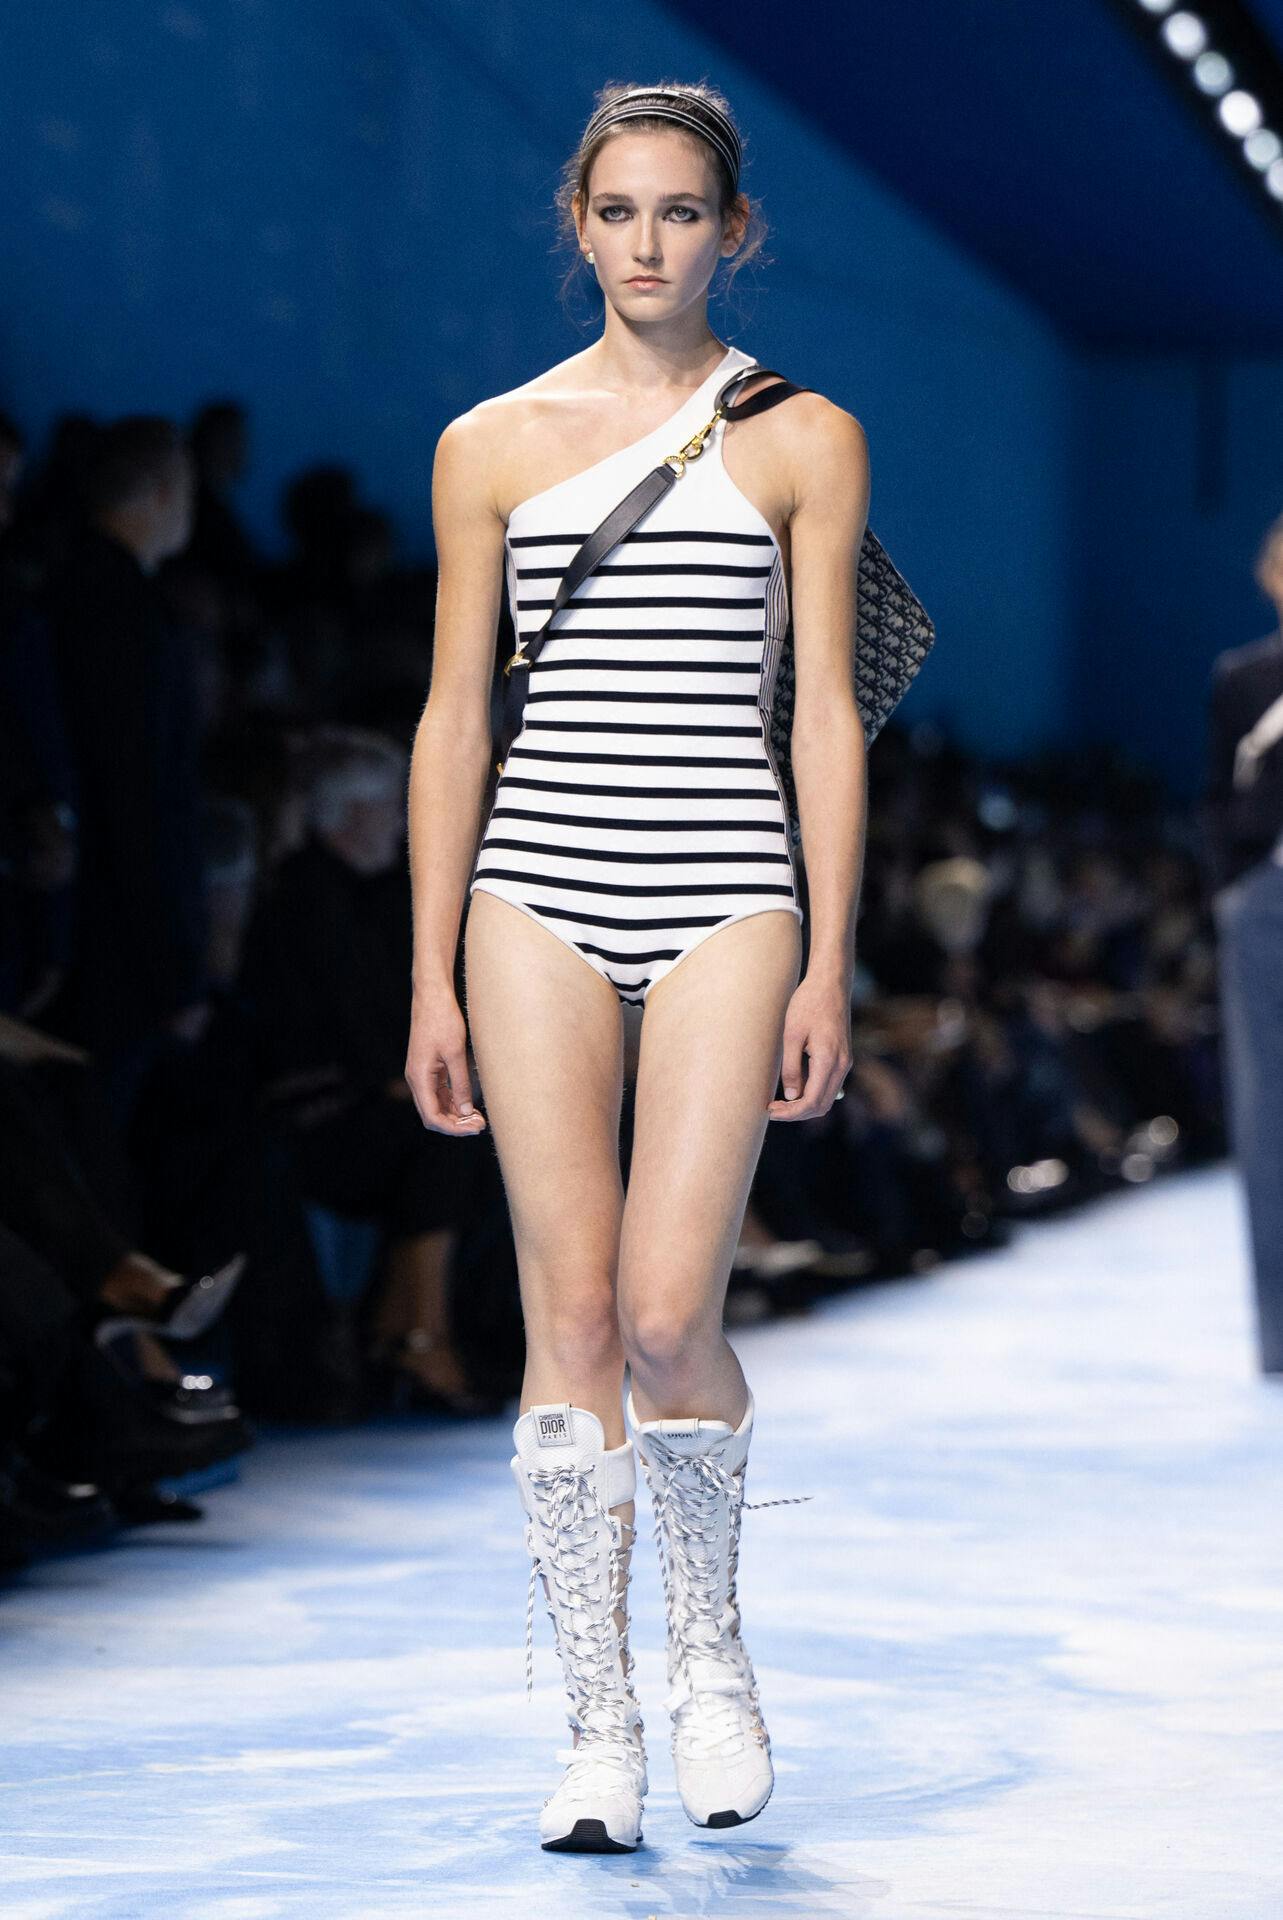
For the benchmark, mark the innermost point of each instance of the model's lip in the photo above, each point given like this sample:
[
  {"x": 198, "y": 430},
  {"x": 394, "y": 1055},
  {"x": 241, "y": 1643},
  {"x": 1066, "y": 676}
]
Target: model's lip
[{"x": 646, "y": 279}]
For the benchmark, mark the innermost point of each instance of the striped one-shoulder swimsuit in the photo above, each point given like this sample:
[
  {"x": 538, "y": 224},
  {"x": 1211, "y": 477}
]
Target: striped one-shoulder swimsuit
[{"x": 640, "y": 806}]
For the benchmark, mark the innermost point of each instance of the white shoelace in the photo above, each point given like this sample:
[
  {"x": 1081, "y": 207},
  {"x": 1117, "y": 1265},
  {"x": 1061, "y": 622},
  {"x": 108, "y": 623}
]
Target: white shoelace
[
  {"x": 685, "y": 1503},
  {"x": 569, "y": 1509},
  {"x": 583, "y": 1764}
]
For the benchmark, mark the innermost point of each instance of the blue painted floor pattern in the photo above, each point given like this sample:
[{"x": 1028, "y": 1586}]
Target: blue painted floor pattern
[{"x": 1021, "y": 1657}]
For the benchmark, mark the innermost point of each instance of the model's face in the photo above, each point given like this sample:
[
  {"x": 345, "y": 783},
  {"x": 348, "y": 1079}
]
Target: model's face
[{"x": 652, "y": 211}]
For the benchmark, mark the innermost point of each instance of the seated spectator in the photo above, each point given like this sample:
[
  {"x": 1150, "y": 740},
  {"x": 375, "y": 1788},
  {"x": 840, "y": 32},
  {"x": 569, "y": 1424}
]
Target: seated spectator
[
  {"x": 129, "y": 701},
  {"x": 216, "y": 1167},
  {"x": 86, "y": 1425},
  {"x": 326, "y": 974}
]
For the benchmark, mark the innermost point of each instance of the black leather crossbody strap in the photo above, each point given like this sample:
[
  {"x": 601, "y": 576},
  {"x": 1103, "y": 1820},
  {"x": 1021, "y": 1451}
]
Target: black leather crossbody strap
[
  {"x": 618, "y": 522},
  {"x": 765, "y": 396},
  {"x": 621, "y": 520}
]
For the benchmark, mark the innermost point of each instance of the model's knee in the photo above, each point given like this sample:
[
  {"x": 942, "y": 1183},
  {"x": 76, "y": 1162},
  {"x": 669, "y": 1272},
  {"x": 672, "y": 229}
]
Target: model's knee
[
  {"x": 575, "y": 1329},
  {"x": 667, "y": 1342}
]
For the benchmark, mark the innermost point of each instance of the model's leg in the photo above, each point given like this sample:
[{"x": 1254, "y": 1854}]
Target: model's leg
[
  {"x": 546, "y": 1032},
  {"x": 711, "y": 1049}
]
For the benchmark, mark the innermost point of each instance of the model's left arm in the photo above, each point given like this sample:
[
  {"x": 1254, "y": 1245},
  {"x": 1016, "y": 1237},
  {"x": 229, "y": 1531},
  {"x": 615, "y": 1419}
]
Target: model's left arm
[{"x": 826, "y": 530}]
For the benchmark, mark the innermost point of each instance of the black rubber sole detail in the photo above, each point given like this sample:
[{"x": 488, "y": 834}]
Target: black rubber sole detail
[
  {"x": 730, "y": 1818},
  {"x": 588, "y": 1836}
]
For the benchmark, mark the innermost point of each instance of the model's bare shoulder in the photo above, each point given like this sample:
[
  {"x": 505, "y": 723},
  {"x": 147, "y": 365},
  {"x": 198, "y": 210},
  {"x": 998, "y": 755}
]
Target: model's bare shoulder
[
  {"x": 478, "y": 450},
  {"x": 808, "y": 448},
  {"x": 463, "y": 469},
  {"x": 531, "y": 402},
  {"x": 806, "y": 404},
  {"x": 827, "y": 429},
  {"x": 827, "y": 456},
  {"x": 482, "y": 454}
]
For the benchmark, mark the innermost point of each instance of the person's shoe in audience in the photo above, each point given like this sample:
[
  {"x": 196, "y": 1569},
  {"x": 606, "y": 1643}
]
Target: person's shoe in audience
[
  {"x": 180, "y": 1394},
  {"x": 193, "y": 1400},
  {"x": 417, "y": 1372},
  {"x": 770, "y": 1259},
  {"x": 141, "y": 1297},
  {"x": 104, "y": 1430},
  {"x": 772, "y": 1277},
  {"x": 142, "y": 1505},
  {"x": 42, "y": 1511}
]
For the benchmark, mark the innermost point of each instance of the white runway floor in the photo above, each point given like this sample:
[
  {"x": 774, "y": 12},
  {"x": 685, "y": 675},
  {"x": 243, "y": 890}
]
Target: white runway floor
[{"x": 1022, "y": 1656}]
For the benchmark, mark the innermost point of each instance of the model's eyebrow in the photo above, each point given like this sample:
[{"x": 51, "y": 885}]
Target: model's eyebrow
[{"x": 663, "y": 196}]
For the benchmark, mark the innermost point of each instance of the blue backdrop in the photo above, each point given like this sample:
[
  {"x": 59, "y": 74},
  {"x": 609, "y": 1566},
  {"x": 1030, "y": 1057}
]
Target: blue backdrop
[{"x": 344, "y": 217}]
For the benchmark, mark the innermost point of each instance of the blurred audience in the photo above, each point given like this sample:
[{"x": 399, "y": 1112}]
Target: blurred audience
[
  {"x": 222, "y": 1207},
  {"x": 126, "y": 688}
]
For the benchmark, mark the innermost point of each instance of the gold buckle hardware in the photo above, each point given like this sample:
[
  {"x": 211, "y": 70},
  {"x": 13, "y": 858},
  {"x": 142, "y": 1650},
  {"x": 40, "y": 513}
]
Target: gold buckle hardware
[
  {"x": 518, "y": 660},
  {"x": 693, "y": 448}
]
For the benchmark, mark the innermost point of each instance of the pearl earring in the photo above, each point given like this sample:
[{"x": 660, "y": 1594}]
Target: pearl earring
[{"x": 588, "y": 255}]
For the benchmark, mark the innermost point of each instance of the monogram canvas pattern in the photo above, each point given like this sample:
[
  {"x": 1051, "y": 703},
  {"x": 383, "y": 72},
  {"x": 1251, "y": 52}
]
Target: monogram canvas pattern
[{"x": 894, "y": 634}]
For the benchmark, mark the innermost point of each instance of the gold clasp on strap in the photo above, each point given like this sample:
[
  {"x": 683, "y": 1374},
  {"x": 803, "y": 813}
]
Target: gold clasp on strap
[
  {"x": 693, "y": 448},
  {"x": 518, "y": 659}
]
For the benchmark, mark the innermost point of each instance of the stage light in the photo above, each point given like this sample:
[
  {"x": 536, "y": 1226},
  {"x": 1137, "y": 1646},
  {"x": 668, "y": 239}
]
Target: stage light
[
  {"x": 1240, "y": 113},
  {"x": 1262, "y": 147},
  {"x": 1234, "y": 67},
  {"x": 1212, "y": 73},
  {"x": 1185, "y": 34}
]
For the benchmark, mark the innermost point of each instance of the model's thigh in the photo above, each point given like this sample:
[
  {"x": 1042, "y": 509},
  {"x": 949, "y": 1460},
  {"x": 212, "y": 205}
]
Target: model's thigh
[
  {"x": 547, "y": 1037},
  {"x": 709, "y": 1062}
]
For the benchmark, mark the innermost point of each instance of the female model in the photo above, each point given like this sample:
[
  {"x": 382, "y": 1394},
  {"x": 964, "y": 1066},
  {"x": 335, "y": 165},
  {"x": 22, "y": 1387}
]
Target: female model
[{"x": 636, "y": 855}]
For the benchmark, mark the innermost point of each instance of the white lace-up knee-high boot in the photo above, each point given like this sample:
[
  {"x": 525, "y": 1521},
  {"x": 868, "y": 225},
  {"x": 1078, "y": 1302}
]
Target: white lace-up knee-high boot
[
  {"x": 569, "y": 1481},
  {"x": 695, "y": 1470}
]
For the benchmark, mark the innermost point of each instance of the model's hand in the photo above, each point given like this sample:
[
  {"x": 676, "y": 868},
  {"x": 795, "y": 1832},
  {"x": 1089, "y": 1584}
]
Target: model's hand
[
  {"x": 436, "y": 1066},
  {"x": 817, "y": 1025}
]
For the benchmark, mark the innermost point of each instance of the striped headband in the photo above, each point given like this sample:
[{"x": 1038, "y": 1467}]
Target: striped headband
[{"x": 686, "y": 109}]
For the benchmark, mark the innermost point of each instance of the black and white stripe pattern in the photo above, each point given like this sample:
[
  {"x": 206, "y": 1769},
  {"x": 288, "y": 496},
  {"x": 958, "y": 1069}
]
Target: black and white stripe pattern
[{"x": 640, "y": 807}]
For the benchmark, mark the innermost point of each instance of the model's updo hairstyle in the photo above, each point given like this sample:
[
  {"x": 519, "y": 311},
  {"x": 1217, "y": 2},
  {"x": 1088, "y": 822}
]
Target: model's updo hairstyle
[{"x": 575, "y": 176}]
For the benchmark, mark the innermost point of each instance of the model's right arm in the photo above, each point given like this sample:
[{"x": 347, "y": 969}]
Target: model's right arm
[{"x": 450, "y": 764}]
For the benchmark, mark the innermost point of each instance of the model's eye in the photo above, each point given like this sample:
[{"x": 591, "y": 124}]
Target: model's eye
[{"x": 604, "y": 213}]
